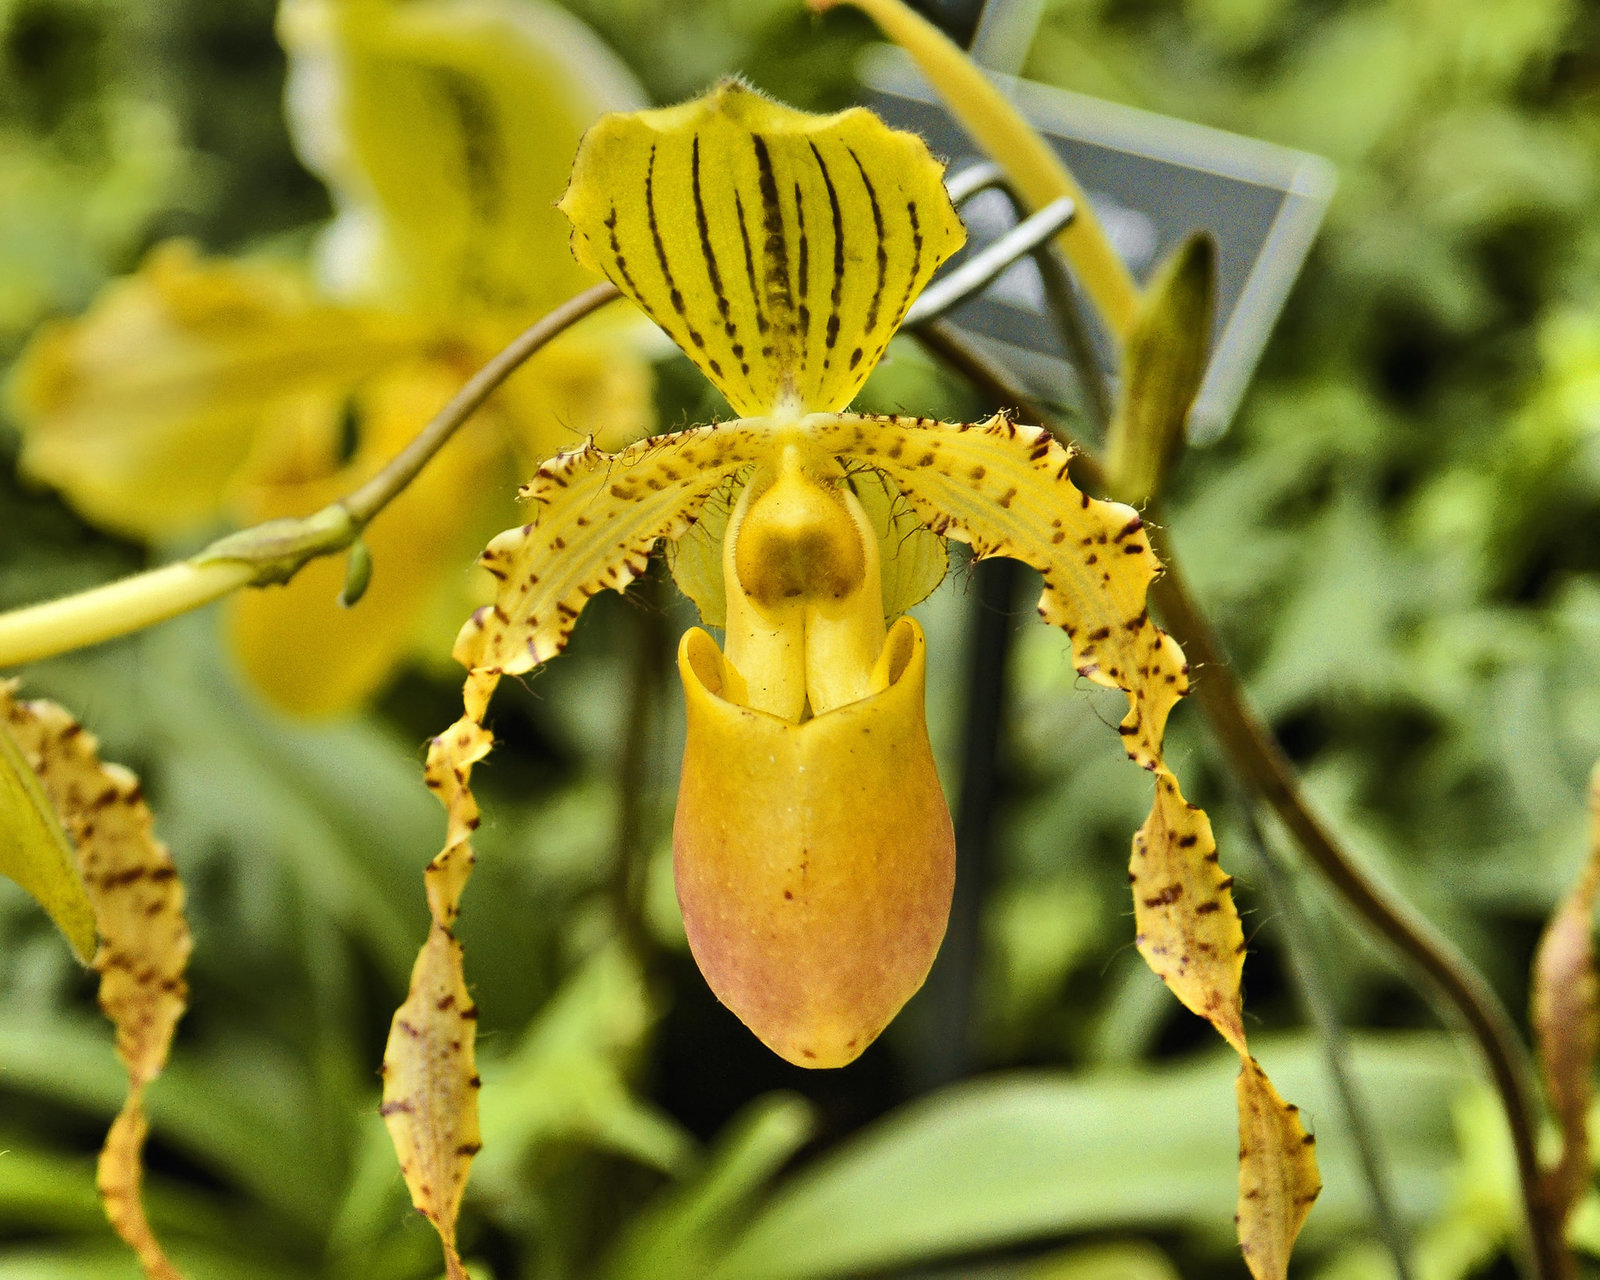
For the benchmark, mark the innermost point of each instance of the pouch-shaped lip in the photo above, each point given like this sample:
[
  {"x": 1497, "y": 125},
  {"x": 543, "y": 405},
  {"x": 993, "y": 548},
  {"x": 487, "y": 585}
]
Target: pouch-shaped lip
[{"x": 814, "y": 861}]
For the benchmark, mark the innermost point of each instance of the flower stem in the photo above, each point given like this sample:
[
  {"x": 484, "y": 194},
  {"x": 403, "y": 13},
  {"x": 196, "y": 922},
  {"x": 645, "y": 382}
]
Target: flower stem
[
  {"x": 115, "y": 609},
  {"x": 277, "y": 549},
  {"x": 1261, "y": 765},
  {"x": 379, "y": 491}
]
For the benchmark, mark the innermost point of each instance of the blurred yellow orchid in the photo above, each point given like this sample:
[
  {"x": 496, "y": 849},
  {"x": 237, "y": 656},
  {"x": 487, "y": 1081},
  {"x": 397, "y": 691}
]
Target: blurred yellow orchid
[{"x": 196, "y": 387}]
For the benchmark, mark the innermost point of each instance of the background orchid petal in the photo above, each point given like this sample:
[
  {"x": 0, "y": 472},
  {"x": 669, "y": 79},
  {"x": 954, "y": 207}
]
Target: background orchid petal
[
  {"x": 444, "y": 129},
  {"x": 299, "y": 646},
  {"x": 143, "y": 411}
]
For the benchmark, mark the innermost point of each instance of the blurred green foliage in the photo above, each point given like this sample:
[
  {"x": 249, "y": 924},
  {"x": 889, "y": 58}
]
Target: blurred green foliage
[{"x": 1400, "y": 540}]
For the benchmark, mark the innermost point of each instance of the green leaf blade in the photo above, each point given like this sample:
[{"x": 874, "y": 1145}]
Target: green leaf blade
[{"x": 35, "y": 852}]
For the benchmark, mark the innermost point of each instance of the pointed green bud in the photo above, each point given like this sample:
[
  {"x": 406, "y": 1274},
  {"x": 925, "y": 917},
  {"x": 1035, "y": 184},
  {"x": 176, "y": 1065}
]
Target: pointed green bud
[
  {"x": 1163, "y": 364},
  {"x": 357, "y": 574}
]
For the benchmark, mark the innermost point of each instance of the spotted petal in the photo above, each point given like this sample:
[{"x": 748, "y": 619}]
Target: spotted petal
[
  {"x": 1005, "y": 489},
  {"x": 599, "y": 515},
  {"x": 779, "y": 249},
  {"x": 137, "y": 902}
]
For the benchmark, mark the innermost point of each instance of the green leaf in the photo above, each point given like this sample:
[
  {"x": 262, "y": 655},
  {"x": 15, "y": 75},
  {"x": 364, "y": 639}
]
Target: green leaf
[
  {"x": 680, "y": 1236},
  {"x": 238, "y": 1112},
  {"x": 567, "y": 1080},
  {"x": 1123, "y": 1260},
  {"x": 1012, "y": 1158},
  {"x": 35, "y": 851}
]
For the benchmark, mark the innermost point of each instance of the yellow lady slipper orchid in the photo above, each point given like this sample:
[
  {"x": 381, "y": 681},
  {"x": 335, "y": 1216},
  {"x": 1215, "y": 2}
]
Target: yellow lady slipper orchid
[
  {"x": 812, "y": 845},
  {"x": 813, "y": 851},
  {"x": 202, "y": 388}
]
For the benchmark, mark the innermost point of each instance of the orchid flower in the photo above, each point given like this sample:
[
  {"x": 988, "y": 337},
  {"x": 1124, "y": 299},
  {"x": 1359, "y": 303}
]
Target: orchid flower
[
  {"x": 200, "y": 388},
  {"x": 812, "y": 844}
]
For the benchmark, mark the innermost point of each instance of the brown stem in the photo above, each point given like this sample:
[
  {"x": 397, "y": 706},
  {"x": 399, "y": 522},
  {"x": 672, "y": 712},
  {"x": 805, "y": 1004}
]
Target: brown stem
[
  {"x": 1260, "y": 763},
  {"x": 379, "y": 491}
]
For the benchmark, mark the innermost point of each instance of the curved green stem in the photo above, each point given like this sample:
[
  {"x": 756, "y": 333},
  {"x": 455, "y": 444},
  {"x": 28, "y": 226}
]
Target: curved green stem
[
  {"x": 116, "y": 609},
  {"x": 379, "y": 491},
  {"x": 277, "y": 549}
]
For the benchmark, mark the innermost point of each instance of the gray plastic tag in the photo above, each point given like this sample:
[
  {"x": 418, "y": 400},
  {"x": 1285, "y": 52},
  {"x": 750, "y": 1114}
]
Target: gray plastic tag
[{"x": 1152, "y": 180}]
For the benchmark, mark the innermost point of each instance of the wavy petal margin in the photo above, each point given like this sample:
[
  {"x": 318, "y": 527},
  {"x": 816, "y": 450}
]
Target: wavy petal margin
[
  {"x": 144, "y": 940},
  {"x": 599, "y": 515},
  {"x": 1005, "y": 490},
  {"x": 430, "y": 1074}
]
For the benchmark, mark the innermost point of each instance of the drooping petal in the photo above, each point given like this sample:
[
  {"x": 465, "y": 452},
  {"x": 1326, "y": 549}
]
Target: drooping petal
[
  {"x": 779, "y": 249},
  {"x": 144, "y": 939},
  {"x": 1278, "y": 1178},
  {"x": 296, "y": 643},
  {"x": 143, "y": 411},
  {"x": 815, "y": 862},
  {"x": 430, "y": 1075},
  {"x": 445, "y": 129},
  {"x": 430, "y": 1088},
  {"x": 598, "y": 516},
  {"x": 1005, "y": 489}
]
